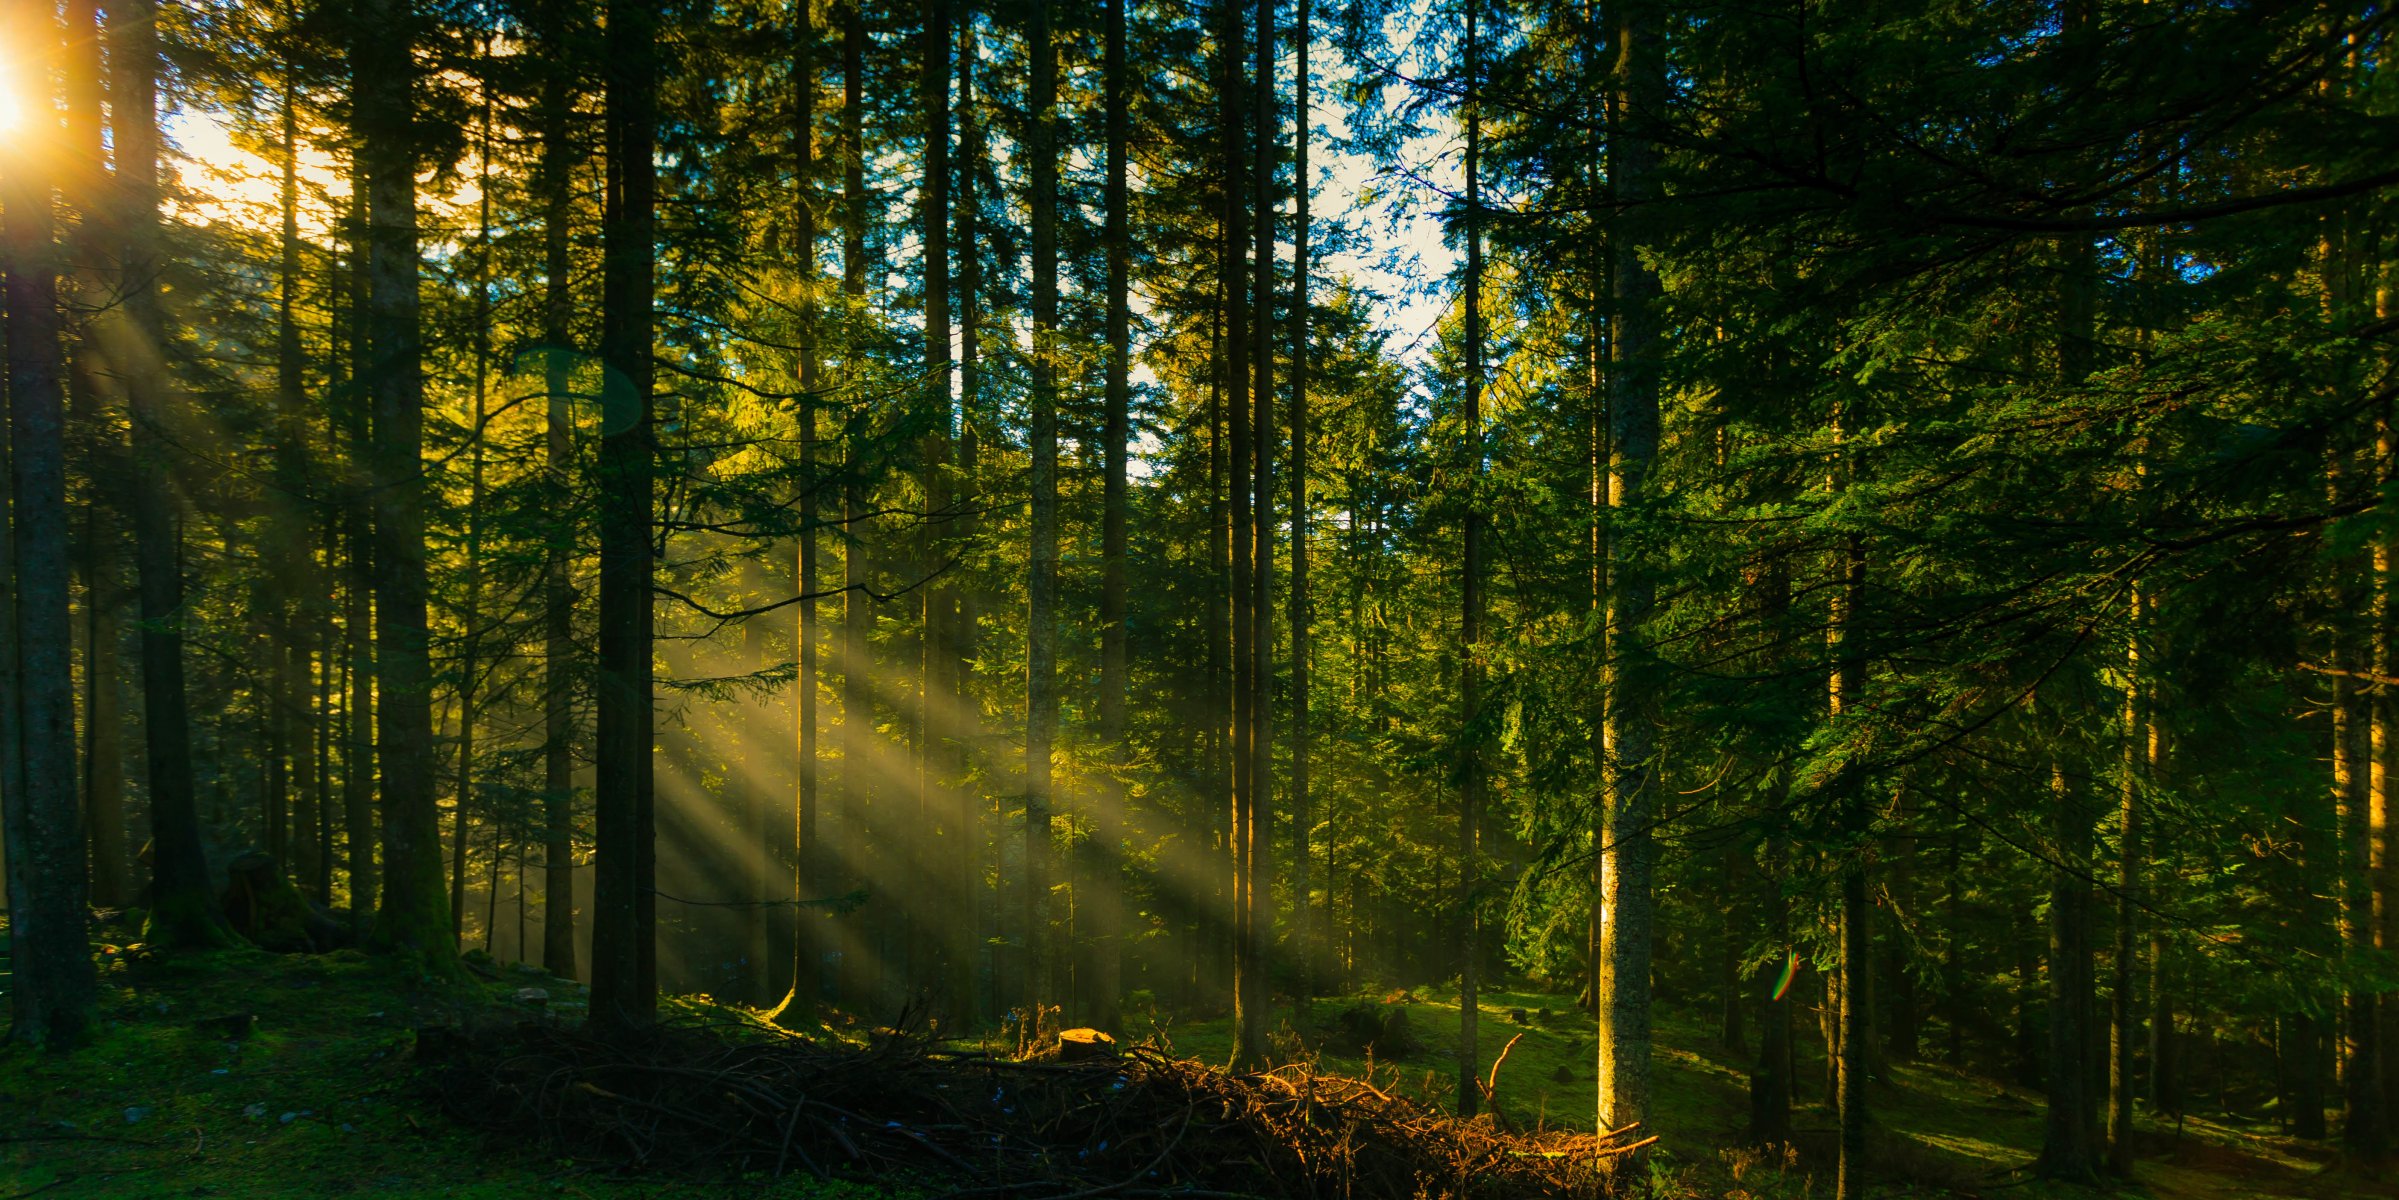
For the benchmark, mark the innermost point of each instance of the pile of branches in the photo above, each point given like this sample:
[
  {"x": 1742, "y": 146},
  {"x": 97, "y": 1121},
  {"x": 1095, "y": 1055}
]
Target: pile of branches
[{"x": 1139, "y": 1123}]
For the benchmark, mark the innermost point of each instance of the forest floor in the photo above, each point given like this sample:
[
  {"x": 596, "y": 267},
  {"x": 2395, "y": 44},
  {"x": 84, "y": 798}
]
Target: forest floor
[{"x": 243, "y": 1074}]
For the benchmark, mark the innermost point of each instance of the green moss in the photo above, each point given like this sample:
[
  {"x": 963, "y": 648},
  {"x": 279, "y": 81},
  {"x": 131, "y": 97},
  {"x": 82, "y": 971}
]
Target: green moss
[{"x": 331, "y": 1036}]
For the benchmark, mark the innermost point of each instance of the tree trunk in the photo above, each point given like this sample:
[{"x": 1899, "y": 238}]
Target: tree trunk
[
  {"x": 809, "y": 860},
  {"x": 1253, "y": 824},
  {"x": 1470, "y": 620},
  {"x": 87, "y": 187},
  {"x": 1770, "y": 1078},
  {"x": 358, "y": 709},
  {"x": 1307, "y": 954},
  {"x": 559, "y": 157},
  {"x": 292, "y": 565},
  {"x": 1629, "y": 701},
  {"x": 856, "y": 802},
  {"x": 183, "y": 908},
  {"x": 1231, "y": 262},
  {"x": 967, "y": 868},
  {"x": 624, "y": 982},
  {"x": 54, "y": 986},
  {"x": 1107, "y": 961},
  {"x": 2067, "y": 1147},
  {"x": 413, "y": 914},
  {"x": 2123, "y": 1015},
  {"x": 471, "y": 615},
  {"x": 1853, "y": 1061},
  {"x": 1041, "y": 695}
]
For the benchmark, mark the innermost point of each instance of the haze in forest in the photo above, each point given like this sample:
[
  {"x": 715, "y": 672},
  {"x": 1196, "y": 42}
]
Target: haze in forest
[{"x": 1841, "y": 544}]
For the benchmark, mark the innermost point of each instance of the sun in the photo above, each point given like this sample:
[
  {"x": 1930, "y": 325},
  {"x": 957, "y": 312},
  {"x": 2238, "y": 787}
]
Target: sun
[{"x": 12, "y": 110}]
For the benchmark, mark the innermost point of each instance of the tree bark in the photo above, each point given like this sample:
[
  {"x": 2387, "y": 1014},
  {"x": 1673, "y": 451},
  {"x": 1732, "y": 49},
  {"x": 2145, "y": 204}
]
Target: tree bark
[
  {"x": 471, "y": 613},
  {"x": 1253, "y": 824},
  {"x": 624, "y": 982},
  {"x": 413, "y": 913},
  {"x": 1107, "y": 835},
  {"x": 2068, "y": 1148},
  {"x": 856, "y": 800},
  {"x": 183, "y": 908},
  {"x": 1852, "y": 1066},
  {"x": 967, "y": 868},
  {"x": 1470, "y": 620},
  {"x": 1629, "y": 713},
  {"x": 1306, "y": 955},
  {"x": 54, "y": 986},
  {"x": 1041, "y": 696},
  {"x": 559, "y": 159},
  {"x": 2123, "y": 1013}
]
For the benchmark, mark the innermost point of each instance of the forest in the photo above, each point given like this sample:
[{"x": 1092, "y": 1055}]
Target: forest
[{"x": 1818, "y": 563}]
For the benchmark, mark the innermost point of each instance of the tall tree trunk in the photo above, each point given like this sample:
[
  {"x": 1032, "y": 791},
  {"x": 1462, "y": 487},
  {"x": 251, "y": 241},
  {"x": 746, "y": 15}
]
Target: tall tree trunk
[
  {"x": 1253, "y": 827},
  {"x": 624, "y": 980},
  {"x": 1108, "y": 828},
  {"x": 1470, "y": 620},
  {"x": 412, "y": 914},
  {"x": 291, "y": 561},
  {"x": 946, "y": 803},
  {"x": 2123, "y": 1015},
  {"x": 358, "y": 709},
  {"x": 1306, "y": 953},
  {"x": 1770, "y": 1079},
  {"x": 54, "y": 987},
  {"x": 2068, "y": 1150},
  {"x": 1041, "y": 695},
  {"x": 471, "y": 614},
  {"x": 809, "y": 861},
  {"x": 971, "y": 918},
  {"x": 87, "y": 187},
  {"x": 857, "y": 613},
  {"x": 1852, "y": 1066},
  {"x": 559, "y": 157},
  {"x": 1233, "y": 262},
  {"x": 1629, "y": 700},
  {"x": 1211, "y": 959},
  {"x": 183, "y": 908},
  {"x": 2382, "y": 857}
]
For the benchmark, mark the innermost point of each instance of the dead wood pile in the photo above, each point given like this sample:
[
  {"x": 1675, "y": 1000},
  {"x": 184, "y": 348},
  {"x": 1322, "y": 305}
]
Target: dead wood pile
[{"x": 1138, "y": 1124}]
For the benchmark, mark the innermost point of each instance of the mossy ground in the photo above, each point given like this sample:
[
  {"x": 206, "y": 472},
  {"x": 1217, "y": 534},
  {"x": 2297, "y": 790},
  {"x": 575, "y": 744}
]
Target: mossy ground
[
  {"x": 1937, "y": 1132},
  {"x": 320, "y": 1098}
]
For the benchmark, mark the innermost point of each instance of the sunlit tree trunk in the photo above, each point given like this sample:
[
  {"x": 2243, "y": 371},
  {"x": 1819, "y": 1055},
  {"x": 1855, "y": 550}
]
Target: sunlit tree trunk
[
  {"x": 52, "y": 991},
  {"x": 358, "y": 709},
  {"x": 944, "y": 803},
  {"x": 1470, "y": 621},
  {"x": 413, "y": 912},
  {"x": 1852, "y": 1065},
  {"x": 1304, "y": 935},
  {"x": 857, "y": 613},
  {"x": 1629, "y": 705},
  {"x": 1253, "y": 822},
  {"x": 183, "y": 909},
  {"x": 471, "y": 613},
  {"x": 2123, "y": 1013},
  {"x": 1232, "y": 102},
  {"x": 559, "y": 156},
  {"x": 624, "y": 980},
  {"x": 1041, "y": 589},
  {"x": 809, "y": 861},
  {"x": 969, "y": 918},
  {"x": 2382, "y": 857},
  {"x": 90, "y": 435},
  {"x": 1106, "y": 964},
  {"x": 289, "y": 556}
]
